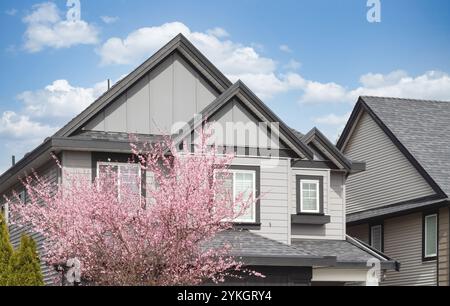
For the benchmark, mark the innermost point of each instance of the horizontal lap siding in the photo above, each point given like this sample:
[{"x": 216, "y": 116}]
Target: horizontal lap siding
[
  {"x": 49, "y": 173},
  {"x": 274, "y": 197},
  {"x": 444, "y": 246},
  {"x": 333, "y": 185},
  {"x": 403, "y": 242},
  {"x": 389, "y": 178}
]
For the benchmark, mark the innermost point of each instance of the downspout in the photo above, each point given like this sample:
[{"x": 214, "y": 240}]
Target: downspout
[{"x": 289, "y": 204}]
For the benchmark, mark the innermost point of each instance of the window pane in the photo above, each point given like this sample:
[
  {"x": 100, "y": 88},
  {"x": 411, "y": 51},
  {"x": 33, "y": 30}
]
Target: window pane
[
  {"x": 430, "y": 236},
  {"x": 310, "y": 196},
  {"x": 243, "y": 185},
  {"x": 129, "y": 177},
  {"x": 376, "y": 237}
]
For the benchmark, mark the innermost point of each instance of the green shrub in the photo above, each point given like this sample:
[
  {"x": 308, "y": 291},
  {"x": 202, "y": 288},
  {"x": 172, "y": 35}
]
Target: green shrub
[
  {"x": 6, "y": 251},
  {"x": 24, "y": 265}
]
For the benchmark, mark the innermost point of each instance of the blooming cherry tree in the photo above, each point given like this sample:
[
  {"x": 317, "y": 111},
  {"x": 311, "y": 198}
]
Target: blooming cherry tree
[{"x": 123, "y": 236}]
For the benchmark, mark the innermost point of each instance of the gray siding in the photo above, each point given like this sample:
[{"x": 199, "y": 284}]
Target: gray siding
[
  {"x": 403, "y": 241},
  {"x": 389, "y": 178},
  {"x": 275, "y": 220},
  {"x": 49, "y": 173},
  {"x": 172, "y": 92},
  {"x": 334, "y": 202},
  {"x": 444, "y": 246}
]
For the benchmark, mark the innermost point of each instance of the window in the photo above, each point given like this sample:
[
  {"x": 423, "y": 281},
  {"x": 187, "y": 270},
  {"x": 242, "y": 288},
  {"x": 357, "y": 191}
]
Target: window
[
  {"x": 430, "y": 236},
  {"x": 244, "y": 183},
  {"x": 22, "y": 196},
  {"x": 376, "y": 237},
  {"x": 244, "y": 180},
  {"x": 127, "y": 174}
]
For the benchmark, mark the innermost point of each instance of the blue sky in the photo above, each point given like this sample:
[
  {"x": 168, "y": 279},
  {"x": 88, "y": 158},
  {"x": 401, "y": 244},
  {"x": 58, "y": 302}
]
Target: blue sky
[{"x": 308, "y": 60}]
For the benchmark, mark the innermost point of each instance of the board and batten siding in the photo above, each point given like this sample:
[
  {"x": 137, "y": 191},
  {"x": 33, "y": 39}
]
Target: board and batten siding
[
  {"x": 389, "y": 177},
  {"x": 50, "y": 173},
  {"x": 403, "y": 241},
  {"x": 444, "y": 246},
  {"x": 333, "y": 202},
  {"x": 172, "y": 92}
]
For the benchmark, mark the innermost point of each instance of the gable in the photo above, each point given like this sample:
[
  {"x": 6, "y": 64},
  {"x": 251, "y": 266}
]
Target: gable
[
  {"x": 237, "y": 126},
  {"x": 389, "y": 178},
  {"x": 173, "y": 92}
]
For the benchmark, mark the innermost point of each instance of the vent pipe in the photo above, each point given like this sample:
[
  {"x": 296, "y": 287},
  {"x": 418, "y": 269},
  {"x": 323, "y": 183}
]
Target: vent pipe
[{"x": 13, "y": 160}]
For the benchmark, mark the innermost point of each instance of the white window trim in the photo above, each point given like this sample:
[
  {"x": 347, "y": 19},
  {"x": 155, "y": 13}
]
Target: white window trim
[
  {"x": 118, "y": 172},
  {"x": 425, "y": 236},
  {"x": 253, "y": 173},
  {"x": 372, "y": 228},
  {"x": 315, "y": 211}
]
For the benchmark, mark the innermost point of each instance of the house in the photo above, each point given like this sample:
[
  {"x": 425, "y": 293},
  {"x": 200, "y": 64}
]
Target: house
[
  {"x": 400, "y": 203},
  {"x": 295, "y": 234}
]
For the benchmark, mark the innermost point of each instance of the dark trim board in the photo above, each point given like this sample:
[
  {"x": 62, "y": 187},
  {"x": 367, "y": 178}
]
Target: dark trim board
[
  {"x": 416, "y": 207},
  {"x": 302, "y": 219}
]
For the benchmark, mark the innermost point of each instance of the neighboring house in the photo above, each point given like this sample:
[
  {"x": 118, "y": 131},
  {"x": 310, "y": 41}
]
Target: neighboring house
[
  {"x": 296, "y": 233},
  {"x": 400, "y": 203}
]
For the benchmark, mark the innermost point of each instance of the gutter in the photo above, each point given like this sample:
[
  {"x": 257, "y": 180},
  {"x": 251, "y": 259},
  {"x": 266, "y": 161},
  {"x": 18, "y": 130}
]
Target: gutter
[{"x": 386, "y": 261}]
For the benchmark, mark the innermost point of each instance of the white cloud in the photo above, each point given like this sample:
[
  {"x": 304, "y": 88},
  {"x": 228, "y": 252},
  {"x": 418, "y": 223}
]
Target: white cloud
[
  {"x": 293, "y": 65},
  {"x": 59, "y": 99},
  {"x": 11, "y": 12},
  {"x": 42, "y": 113},
  {"x": 218, "y": 32},
  {"x": 433, "y": 85},
  {"x": 109, "y": 19},
  {"x": 333, "y": 119},
  {"x": 237, "y": 61},
  {"x": 45, "y": 28},
  {"x": 285, "y": 48},
  {"x": 15, "y": 126}
]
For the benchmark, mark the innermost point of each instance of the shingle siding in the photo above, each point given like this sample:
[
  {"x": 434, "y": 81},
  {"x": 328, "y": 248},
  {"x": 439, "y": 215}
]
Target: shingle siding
[{"x": 389, "y": 178}]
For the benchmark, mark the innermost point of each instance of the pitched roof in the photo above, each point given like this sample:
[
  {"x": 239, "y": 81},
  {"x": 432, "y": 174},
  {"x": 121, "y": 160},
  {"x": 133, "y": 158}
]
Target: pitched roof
[
  {"x": 419, "y": 128},
  {"x": 348, "y": 252},
  {"x": 254, "y": 249}
]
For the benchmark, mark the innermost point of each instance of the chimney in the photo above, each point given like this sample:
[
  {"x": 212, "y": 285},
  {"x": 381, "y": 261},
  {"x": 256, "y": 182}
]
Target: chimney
[
  {"x": 13, "y": 160},
  {"x": 109, "y": 84}
]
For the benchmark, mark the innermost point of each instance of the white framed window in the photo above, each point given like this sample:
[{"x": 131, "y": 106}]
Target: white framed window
[
  {"x": 376, "y": 237},
  {"x": 430, "y": 236},
  {"x": 244, "y": 182},
  {"x": 309, "y": 196},
  {"x": 22, "y": 196},
  {"x": 127, "y": 174}
]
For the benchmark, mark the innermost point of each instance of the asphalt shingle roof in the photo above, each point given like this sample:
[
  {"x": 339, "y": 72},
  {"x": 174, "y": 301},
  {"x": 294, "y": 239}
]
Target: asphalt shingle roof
[
  {"x": 423, "y": 127},
  {"x": 342, "y": 249}
]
